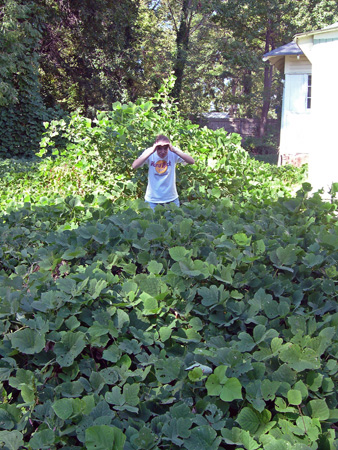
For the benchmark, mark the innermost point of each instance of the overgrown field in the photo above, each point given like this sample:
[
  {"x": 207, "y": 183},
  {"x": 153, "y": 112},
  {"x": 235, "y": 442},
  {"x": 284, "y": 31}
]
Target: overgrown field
[{"x": 209, "y": 326}]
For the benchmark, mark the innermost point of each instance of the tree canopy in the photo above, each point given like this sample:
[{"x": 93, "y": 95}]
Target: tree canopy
[{"x": 86, "y": 55}]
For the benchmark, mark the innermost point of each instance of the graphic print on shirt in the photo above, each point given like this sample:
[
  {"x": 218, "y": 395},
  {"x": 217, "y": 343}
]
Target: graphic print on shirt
[{"x": 161, "y": 166}]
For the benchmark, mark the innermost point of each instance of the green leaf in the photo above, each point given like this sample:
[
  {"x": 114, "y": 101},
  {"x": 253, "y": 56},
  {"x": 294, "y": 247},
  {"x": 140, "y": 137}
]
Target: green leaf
[
  {"x": 287, "y": 256},
  {"x": 209, "y": 295},
  {"x": 219, "y": 372},
  {"x": 150, "y": 304},
  {"x": 13, "y": 440},
  {"x": 196, "y": 374},
  {"x": 69, "y": 348},
  {"x": 28, "y": 394},
  {"x": 231, "y": 390},
  {"x": 280, "y": 444},
  {"x": 28, "y": 341},
  {"x": 115, "y": 397},
  {"x": 121, "y": 319},
  {"x": 112, "y": 354},
  {"x": 144, "y": 439},
  {"x": 168, "y": 370},
  {"x": 155, "y": 267},
  {"x": 165, "y": 333},
  {"x": 276, "y": 344},
  {"x": 269, "y": 389},
  {"x": 154, "y": 231},
  {"x": 239, "y": 437},
  {"x": 213, "y": 385},
  {"x": 299, "y": 359},
  {"x": 301, "y": 387},
  {"x": 130, "y": 392},
  {"x": 42, "y": 440},
  {"x": 202, "y": 438},
  {"x": 248, "y": 420},
  {"x": 104, "y": 437},
  {"x": 248, "y": 442},
  {"x": 185, "y": 227},
  {"x": 63, "y": 408},
  {"x": 178, "y": 253},
  {"x": 242, "y": 239},
  {"x": 319, "y": 409},
  {"x": 7, "y": 421},
  {"x": 96, "y": 287},
  {"x": 72, "y": 323},
  {"x": 73, "y": 253},
  {"x": 294, "y": 397},
  {"x": 245, "y": 343},
  {"x": 131, "y": 346},
  {"x": 312, "y": 260}
]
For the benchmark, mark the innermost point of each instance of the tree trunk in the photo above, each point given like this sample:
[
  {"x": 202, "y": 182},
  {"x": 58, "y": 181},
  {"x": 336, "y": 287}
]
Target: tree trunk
[
  {"x": 267, "y": 88},
  {"x": 233, "y": 106},
  {"x": 182, "y": 47}
]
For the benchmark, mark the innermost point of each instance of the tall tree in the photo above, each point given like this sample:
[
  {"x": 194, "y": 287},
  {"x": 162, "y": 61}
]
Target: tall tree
[
  {"x": 264, "y": 25},
  {"x": 22, "y": 110},
  {"x": 88, "y": 56},
  {"x": 187, "y": 18}
]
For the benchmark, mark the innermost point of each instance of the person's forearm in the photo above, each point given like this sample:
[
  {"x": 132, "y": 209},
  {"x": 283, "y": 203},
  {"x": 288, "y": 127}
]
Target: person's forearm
[
  {"x": 142, "y": 159},
  {"x": 187, "y": 158}
]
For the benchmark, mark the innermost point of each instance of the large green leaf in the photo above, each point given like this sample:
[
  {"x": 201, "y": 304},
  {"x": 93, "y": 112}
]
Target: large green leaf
[
  {"x": 69, "y": 348},
  {"x": 294, "y": 397},
  {"x": 154, "y": 231},
  {"x": 201, "y": 438},
  {"x": 168, "y": 370},
  {"x": 42, "y": 440},
  {"x": 319, "y": 409},
  {"x": 231, "y": 390},
  {"x": 13, "y": 440},
  {"x": 63, "y": 408},
  {"x": 178, "y": 253},
  {"x": 28, "y": 341},
  {"x": 248, "y": 420},
  {"x": 104, "y": 437},
  {"x": 299, "y": 359},
  {"x": 209, "y": 295}
]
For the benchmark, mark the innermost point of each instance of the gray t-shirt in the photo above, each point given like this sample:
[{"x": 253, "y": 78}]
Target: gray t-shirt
[{"x": 162, "y": 178}]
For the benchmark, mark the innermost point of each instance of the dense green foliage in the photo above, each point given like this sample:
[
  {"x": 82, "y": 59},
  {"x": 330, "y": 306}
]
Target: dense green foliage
[
  {"x": 22, "y": 111},
  {"x": 89, "y": 55},
  {"x": 99, "y": 154},
  {"x": 209, "y": 326},
  {"x": 102, "y": 321}
]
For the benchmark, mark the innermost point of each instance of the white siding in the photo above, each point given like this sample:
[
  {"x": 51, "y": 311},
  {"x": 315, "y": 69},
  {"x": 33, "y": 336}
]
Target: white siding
[
  {"x": 322, "y": 49},
  {"x": 295, "y": 116},
  {"x": 297, "y": 64},
  {"x": 296, "y": 93},
  {"x": 324, "y": 155}
]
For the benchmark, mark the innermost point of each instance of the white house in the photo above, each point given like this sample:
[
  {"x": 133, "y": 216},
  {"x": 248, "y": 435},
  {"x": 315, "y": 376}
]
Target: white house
[{"x": 309, "y": 128}]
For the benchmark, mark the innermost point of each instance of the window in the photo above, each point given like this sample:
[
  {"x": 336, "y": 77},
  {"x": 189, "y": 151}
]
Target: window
[{"x": 308, "y": 98}]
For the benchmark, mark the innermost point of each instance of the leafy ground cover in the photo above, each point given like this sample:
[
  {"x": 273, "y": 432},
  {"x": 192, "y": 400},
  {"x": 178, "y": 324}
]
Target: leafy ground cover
[
  {"x": 209, "y": 326},
  {"x": 97, "y": 157}
]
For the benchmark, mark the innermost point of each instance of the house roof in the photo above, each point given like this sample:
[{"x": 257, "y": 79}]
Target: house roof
[
  {"x": 276, "y": 56},
  {"x": 327, "y": 29},
  {"x": 288, "y": 49}
]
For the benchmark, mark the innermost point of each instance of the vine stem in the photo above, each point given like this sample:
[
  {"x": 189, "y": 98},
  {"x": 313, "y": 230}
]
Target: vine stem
[{"x": 301, "y": 414}]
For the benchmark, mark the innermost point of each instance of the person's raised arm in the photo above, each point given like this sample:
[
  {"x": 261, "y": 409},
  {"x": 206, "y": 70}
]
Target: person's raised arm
[
  {"x": 142, "y": 159},
  {"x": 187, "y": 158}
]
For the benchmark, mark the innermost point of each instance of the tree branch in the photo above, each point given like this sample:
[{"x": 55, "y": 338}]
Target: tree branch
[{"x": 173, "y": 17}]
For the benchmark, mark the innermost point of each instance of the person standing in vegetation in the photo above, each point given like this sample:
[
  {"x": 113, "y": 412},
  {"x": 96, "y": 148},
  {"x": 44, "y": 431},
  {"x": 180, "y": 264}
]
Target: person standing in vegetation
[{"x": 162, "y": 158}]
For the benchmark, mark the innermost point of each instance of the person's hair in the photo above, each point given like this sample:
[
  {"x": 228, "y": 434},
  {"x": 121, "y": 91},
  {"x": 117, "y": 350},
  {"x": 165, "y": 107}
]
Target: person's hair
[{"x": 162, "y": 138}]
